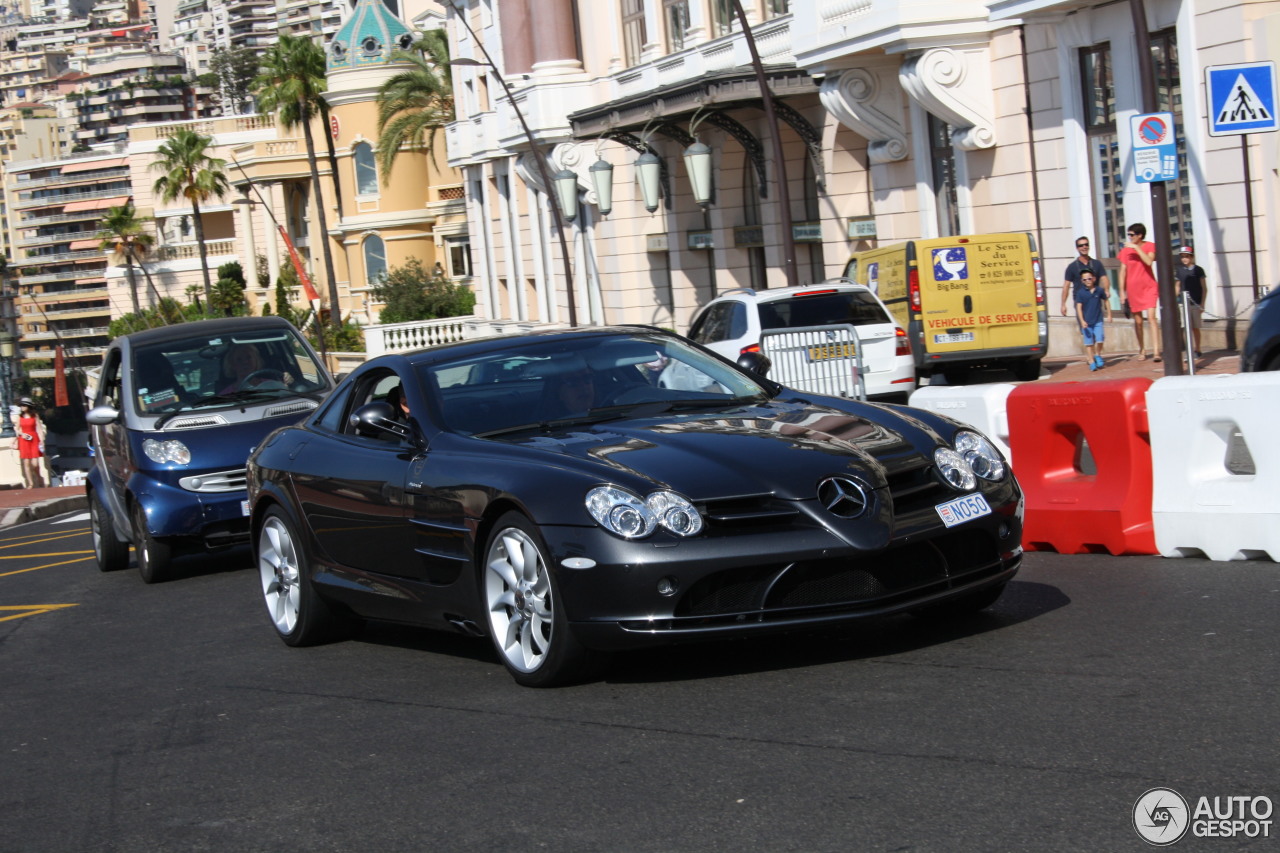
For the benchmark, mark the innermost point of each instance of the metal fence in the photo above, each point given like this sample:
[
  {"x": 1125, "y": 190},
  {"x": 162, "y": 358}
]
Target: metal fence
[{"x": 817, "y": 359}]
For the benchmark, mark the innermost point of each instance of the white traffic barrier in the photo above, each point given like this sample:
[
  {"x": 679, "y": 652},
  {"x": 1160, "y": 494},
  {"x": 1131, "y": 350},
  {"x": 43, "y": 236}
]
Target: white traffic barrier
[
  {"x": 981, "y": 406},
  {"x": 1216, "y": 465}
]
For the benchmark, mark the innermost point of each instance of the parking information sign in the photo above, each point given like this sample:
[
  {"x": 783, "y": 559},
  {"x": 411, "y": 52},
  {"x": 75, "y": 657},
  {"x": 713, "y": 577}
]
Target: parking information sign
[
  {"x": 1242, "y": 98},
  {"x": 1155, "y": 147}
]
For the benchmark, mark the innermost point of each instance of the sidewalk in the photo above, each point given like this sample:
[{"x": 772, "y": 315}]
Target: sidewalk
[{"x": 18, "y": 506}]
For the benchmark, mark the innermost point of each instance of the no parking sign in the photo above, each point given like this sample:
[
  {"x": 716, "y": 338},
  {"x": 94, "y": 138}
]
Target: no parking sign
[{"x": 1155, "y": 147}]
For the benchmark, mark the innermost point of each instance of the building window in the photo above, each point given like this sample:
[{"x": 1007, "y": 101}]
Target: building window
[
  {"x": 633, "y": 31},
  {"x": 1098, "y": 95},
  {"x": 812, "y": 213},
  {"x": 375, "y": 259},
  {"x": 1164, "y": 53},
  {"x": 751, "y": 216},
  {"x": 944, "y": 177},
  {"x": 459, "y": 257},
  {"x": 675, "y": 14},
  {"x": 366, "y": 169},
  {"x": 774, "y": 8},
  {"x": 722, "y": 16}
]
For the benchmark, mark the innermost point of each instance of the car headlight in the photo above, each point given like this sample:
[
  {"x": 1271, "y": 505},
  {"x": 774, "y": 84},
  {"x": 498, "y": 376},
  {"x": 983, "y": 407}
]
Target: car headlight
[
  {"x": 626, "y": 515},
  {"x": 171, "y": 450},
  {"x": 954, "y": 469},
  {"x": 983, "y": 458}
]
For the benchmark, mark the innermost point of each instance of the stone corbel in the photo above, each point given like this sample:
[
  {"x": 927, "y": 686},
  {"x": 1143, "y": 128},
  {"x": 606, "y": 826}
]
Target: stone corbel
[
  {"x": 955, "y": 85},
  {"x": 577, "y": 157},
  {"x": 868, "y": 101}
]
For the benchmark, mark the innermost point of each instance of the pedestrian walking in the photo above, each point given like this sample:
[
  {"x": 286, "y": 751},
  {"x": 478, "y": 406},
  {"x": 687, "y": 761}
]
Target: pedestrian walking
[
  {"x": 1191, "y": 282},
  {"x": 30, "y": 444},
  {"x": 1092, "y": 309},
  {"x": 1138, "y": 288},
  {"x": 1071, "y": 279}
]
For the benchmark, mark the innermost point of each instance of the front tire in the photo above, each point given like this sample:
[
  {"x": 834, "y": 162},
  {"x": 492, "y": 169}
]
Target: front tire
[
  {"x": 298, "y": 613},
  {"x": 526, "y": 617},
  {"x": 155, "y": 558},
  {"x": 111, "y": 552}
]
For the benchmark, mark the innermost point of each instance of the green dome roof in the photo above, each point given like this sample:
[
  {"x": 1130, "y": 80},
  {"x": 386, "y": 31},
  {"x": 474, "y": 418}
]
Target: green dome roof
[{"x": 367, "y": 37}]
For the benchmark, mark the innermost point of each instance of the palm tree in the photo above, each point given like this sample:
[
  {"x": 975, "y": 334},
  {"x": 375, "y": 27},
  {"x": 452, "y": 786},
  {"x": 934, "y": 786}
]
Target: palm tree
[
  {"x": 290, "y": 84},
  {"x": 414, "y": 104},
  {"x": 127, "y": 240},
  {"x": 191, "y": 173}
]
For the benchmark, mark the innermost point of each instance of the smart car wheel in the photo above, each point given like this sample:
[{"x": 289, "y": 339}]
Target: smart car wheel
[
  {"x": 300, "y": 616},
  {"x": 112, "y": 554},
  {"x": 155, "y": 558},
  {"x": 526, "y": 618}
]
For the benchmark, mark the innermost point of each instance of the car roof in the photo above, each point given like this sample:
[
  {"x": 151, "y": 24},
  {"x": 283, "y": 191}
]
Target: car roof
[
  {"x": 776, "y": 293},
  {"x": 498, "y": 343},
  {"x": 197, "y": 328}
]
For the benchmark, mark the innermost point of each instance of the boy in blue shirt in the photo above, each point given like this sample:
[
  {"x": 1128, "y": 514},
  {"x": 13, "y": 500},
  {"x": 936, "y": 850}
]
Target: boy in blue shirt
[{"x": 1092, "y": 307}]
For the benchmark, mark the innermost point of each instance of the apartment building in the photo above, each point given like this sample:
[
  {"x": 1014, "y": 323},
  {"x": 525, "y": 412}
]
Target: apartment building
[
  {"x": 125, "y": 87},
  {"x": 55, "y": 215}
]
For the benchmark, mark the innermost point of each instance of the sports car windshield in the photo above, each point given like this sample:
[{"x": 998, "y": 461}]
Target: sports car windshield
[{"x": 559, "y": 382}]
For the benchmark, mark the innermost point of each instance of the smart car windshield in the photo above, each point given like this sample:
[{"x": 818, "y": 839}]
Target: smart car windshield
[
  {"x": 222, "y": 370},
  {"x": 558, "y": 382}
]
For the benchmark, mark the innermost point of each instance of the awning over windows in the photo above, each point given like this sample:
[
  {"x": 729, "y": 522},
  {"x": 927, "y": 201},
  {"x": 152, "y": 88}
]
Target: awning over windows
[
  {"x": 96, "y": 204},
  {"x": 90, "y": 165}
]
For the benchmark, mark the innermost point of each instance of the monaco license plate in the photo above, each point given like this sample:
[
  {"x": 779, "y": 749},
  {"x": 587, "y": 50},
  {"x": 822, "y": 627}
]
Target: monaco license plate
[
  {"x": 829, "y": 351},
  {"x": 963, "y": 509},
  {"x": 958, "y": 338}
]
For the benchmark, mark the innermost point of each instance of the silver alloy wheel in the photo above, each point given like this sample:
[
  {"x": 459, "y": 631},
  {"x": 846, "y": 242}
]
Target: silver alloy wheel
[
  {"x": 281, "y": 578},
  {"x": 518, "y": 595},
  {"x": 95, "y": 527}
]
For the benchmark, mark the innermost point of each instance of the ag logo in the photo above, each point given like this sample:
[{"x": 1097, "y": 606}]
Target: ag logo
[{"x": 1161, "y": 816}]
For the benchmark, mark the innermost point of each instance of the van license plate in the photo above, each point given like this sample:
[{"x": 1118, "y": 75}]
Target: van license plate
[
  {"x": 958, "y": 338},
  {"x": 963, "y": 509},
  {"x": 829, "y": 351}
]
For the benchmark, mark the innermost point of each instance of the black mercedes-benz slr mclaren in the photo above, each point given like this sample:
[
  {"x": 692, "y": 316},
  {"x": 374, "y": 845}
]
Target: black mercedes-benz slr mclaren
[{"x": 570, "y": 494}]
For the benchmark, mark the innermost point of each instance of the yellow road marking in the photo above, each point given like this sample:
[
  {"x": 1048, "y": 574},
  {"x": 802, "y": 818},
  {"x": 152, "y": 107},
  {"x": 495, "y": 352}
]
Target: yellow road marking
[
  {"x": 30, "y": 610},
  {"x": 44, "y": 537},
  {"x": 54, "y": 554},
  {"x": 48, "y": 566}
]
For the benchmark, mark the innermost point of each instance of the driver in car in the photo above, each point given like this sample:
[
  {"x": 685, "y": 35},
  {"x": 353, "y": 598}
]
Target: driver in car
[{"x": 243, "y": 363}]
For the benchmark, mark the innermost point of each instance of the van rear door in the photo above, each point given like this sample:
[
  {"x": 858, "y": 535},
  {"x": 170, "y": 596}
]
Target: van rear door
[{"x": 978, "y": 292}]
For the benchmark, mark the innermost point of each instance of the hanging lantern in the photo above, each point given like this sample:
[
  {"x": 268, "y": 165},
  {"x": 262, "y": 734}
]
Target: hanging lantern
[
  {"x": 650, "y": 169},
  {"x": 697, "y": 162},
  {"x": 602, "y": 179},
  {"x": 566, "y": 187}
]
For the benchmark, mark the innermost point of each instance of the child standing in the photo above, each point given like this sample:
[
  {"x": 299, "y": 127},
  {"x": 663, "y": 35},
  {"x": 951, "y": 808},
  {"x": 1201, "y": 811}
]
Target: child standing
[{"x": 1092, "y": 307}]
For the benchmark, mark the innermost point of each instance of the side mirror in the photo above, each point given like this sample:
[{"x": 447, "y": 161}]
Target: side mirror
[
  {"x": 376, "y": 419},
  {"x": 755, "y": 362},
  {"x": 102, "y": 415}
]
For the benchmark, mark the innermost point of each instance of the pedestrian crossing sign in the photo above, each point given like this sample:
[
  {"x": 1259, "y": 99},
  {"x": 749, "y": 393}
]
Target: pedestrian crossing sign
[{"x": 1242, "y": 98}]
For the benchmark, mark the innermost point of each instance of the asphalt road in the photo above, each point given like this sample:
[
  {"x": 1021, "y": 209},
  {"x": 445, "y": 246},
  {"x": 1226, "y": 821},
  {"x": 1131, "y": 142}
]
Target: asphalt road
[{"x": 169, "y": 717}]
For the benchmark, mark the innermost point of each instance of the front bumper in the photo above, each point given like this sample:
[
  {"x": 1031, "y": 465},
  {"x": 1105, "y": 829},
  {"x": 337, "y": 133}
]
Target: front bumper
[
  {"x": 215, "y": 519},
  {"x": 757, "y": 580}
]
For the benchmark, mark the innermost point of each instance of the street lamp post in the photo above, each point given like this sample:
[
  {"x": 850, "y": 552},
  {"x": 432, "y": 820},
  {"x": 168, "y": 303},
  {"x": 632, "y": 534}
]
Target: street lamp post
[
  {"x": 548, "y": 186},
  {"x": 7, "y": 349}
]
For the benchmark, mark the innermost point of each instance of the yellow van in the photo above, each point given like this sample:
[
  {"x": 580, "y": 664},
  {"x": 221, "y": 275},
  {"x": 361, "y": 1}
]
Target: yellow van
[{"x": 965, "y": 302}]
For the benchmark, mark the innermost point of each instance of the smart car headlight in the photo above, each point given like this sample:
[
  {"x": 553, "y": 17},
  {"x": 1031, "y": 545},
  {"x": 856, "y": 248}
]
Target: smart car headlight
[
  {"x": 171, "y": 450},
  {"x": 626, "y": 515},
  {"x": 984, "y": 460},
  {"x": 954, "y": 469}
]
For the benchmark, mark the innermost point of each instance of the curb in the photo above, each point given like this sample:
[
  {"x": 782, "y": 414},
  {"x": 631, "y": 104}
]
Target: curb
[{"x": 43, "y": 509}]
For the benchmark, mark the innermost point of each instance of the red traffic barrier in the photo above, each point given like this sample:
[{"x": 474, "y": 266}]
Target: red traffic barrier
[{"x": 1084, "y": 462}]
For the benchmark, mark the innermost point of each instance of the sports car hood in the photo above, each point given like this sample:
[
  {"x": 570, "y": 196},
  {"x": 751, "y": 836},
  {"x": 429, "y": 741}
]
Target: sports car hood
[{"x": 779, "y": 447}]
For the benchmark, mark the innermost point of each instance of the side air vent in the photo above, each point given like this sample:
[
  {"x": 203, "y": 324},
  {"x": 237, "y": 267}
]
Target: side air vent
[
  {"x": 291, "y": 407},
  {"x": 196, "y": 422}
]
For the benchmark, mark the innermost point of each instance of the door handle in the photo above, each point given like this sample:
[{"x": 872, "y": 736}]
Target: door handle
[{"x": 968, "y": 304}]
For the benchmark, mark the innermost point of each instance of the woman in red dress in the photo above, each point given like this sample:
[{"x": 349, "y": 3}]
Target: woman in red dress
[
  {"x": 30, "y": 444},
  {"x": 1138, "y": 286}
]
